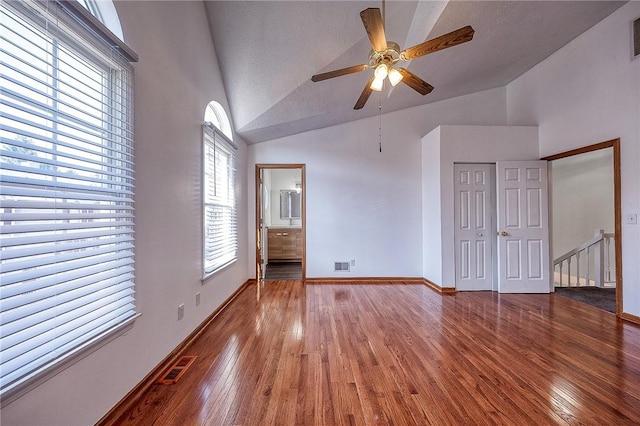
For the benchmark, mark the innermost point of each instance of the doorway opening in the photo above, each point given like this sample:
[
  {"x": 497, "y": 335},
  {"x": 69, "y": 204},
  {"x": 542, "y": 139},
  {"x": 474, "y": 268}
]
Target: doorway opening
[
  {"x": 586, "y": 224},
  {"x": 280, "y": 222}
]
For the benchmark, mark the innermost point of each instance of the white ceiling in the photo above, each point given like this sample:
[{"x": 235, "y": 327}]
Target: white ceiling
[{"x": 268, "y": 51}]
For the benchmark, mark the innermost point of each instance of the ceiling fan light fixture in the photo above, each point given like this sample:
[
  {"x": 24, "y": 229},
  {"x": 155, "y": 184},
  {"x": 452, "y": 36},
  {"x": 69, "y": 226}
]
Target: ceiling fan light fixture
[
  {"x": 381, "y": 71},
  {"x": 385, "y": 54},
  {"x": 377, "y": 84},
  {"x": 395, "y": 77}
]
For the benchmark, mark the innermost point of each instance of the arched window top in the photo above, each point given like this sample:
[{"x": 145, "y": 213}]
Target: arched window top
[
  {"x": 105, "y": 12},
  {"x": 216, "y": 115}
]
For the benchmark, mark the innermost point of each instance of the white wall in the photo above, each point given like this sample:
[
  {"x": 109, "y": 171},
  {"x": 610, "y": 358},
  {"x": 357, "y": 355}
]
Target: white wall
[
  {"x": 175, "y": 79},
  {"x": 589, "y": 92},
  {"x": 442, "y": 148},
  {"x": 431, "y": 208},
  {"x": 581, "y": 198},
  {"x": 364, "y": 204}
]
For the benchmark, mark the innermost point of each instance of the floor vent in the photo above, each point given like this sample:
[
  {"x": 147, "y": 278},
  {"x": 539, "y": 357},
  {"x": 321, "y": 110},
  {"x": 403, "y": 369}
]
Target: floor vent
[
  {"x": 177, "y": 370},
  {"x": 341, "y": 266}
]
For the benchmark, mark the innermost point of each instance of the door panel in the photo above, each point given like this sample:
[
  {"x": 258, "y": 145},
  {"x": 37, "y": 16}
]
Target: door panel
[
  {"x": 535, "y": 260},
  {"x": 474, "y": 226},
  {"x": 523, "y": 242},
  {"x": 513, "y": 259},
  {"x": 481, "y": 253},
  {"x": 464, "y": 210},
  {"x": 512, "y": 211},
  {"x": 465, "y": 260},
  {"x": 534, "y": 208},
  {"x": 480, "y": 209}
]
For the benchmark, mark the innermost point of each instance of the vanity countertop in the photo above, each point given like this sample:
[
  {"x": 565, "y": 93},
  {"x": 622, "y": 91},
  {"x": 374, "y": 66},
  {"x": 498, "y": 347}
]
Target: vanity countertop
[{"x": 284, "y": 227}]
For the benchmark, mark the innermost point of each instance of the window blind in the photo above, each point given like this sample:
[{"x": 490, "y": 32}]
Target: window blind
[
  {"x": 219, "y": 201},
  {"x": 66, "y": 190}
]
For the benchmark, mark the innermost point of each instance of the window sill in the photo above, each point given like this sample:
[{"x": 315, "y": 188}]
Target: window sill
[
  {"x": 46, "y": 372},
  {"x": 209, "y": 276}
]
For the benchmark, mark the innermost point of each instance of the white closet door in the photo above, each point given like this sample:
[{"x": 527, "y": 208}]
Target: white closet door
[
  {"x": 474, "y": 230},
  {"x": 523, "y": 227}
]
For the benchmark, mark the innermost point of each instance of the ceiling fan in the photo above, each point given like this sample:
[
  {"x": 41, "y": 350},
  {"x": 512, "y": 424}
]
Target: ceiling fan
[{"x": 385, "y": 54}]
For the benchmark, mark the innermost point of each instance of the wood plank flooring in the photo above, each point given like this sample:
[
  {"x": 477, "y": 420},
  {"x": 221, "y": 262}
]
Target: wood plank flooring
[{"x": 402, "y": 354}]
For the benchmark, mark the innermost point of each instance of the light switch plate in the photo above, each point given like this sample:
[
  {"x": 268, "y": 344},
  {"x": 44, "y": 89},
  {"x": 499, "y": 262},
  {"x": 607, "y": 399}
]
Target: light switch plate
[{"x": 632, "y": 219}]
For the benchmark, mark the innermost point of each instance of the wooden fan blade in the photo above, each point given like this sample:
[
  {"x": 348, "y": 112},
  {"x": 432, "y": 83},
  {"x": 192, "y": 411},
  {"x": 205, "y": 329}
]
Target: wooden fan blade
[
  {"x": 415, "y": 82},
  {"x": 372, "y": 20},
  {"x": 454, "y": 38},
  {"x": 364, "y": 96},
  {"x": 338, "y": 73}
]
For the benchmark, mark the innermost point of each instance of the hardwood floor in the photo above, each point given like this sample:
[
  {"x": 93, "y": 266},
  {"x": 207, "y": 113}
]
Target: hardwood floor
[{"x": 404, "y": 355}]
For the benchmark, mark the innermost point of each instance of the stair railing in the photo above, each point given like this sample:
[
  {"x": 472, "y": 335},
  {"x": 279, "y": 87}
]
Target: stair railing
[{"x": 588, "y": 264}]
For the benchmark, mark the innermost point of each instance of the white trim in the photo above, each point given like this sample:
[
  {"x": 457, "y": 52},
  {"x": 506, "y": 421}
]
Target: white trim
[{"x": 215, "y": 110}]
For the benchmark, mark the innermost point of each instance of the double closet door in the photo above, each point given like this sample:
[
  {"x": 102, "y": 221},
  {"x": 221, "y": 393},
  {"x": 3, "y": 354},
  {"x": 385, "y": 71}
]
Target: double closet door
[{"x": 501, "y": 227}]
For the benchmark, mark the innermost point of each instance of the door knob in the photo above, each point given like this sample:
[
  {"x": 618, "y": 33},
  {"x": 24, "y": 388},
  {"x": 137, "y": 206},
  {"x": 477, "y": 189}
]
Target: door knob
[
  {"x": 503, "y": 233},
  {"x": 479, "y": 234}
]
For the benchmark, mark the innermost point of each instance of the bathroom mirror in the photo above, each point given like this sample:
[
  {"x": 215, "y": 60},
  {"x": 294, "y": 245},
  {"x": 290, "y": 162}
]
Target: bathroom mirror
[{"x": 290, "y": 204}]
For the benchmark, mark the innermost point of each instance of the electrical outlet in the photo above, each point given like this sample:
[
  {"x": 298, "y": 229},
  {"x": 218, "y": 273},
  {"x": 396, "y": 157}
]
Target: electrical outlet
[
  {"x": 180, "y": 311},
  {"x": 353, "y": 262},
  {"x": 198, "y": 299}
]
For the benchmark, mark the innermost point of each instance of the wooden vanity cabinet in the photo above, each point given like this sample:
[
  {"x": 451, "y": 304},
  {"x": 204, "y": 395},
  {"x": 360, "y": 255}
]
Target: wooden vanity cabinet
[{"x": 284, "y": 244}]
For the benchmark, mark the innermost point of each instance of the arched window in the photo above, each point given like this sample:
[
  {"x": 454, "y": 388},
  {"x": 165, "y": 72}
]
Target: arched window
[
  {"x": 105, "y": 12},
  {"x": 216, "y": 115},
  {"x": 219, "y": 201}
]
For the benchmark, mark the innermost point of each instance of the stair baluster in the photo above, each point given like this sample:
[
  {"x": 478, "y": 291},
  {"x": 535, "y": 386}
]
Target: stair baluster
[
  {"x": 600, "y": 247},
  {"x": 588, "y": 264}
]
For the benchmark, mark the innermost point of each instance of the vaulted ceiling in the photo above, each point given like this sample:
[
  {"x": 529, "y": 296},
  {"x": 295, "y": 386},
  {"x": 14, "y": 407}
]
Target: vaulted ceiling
[{"x": 268, "y": 51}]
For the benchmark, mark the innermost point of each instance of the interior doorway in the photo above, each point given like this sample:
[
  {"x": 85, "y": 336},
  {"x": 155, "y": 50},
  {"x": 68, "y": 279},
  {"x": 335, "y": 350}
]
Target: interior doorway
[
  {"x": 280, "y": 222},
  {"x": 595, "y": 264}
]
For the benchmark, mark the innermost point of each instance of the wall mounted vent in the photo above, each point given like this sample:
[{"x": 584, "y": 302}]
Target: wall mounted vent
[
  {"x": 636, "y": 37},
  {"x": 341, "y": 267}
]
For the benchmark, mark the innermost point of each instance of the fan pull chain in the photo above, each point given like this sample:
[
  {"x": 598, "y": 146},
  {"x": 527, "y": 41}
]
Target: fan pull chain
[
  {"x": 380, "y": 123},
  {"x": 384, "y": 15}
]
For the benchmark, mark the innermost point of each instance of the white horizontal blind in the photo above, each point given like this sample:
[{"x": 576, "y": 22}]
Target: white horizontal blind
[
  {"x": 66, "y": 190},
  {"x": 220, "y": 209}
]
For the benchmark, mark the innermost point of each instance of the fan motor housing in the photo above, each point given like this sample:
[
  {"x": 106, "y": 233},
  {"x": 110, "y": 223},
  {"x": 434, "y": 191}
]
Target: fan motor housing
[{"x": 389, "y": 56}]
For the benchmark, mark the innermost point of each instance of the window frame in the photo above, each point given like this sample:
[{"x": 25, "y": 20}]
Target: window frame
[
  {"x": 106, "y": 13},
  {"x": 215, "y": 115},
  {"x": 217, "y": 137},
  {"x": 76, "y": 37}
]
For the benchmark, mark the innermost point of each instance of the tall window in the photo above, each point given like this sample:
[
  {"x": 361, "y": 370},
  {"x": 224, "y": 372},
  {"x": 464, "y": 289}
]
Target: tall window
[
  {"x": 66, "y": 190},
  {"x": 220, "y": 237}
]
